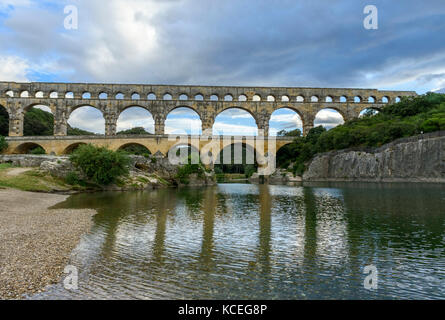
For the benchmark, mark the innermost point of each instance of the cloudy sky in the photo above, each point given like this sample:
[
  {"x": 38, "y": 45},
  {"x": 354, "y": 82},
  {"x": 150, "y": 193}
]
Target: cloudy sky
[{"x": 252, "y": 42}]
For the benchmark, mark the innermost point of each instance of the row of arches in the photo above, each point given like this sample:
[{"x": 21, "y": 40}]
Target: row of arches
[
  {"x": 184, "y": 120},
  {"x": 213, "y": 97},
  {"x": 182, "y": 150}
]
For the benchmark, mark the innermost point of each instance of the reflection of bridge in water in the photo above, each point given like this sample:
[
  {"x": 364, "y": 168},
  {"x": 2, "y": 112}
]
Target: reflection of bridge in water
[{"x": 207, "y": 101}]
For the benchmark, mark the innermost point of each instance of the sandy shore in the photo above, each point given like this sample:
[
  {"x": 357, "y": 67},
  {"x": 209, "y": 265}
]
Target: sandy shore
[{"x": 35, "y": 243}]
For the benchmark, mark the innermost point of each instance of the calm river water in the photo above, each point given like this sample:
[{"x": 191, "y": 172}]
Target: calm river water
[{"x": 243, "y": 241}]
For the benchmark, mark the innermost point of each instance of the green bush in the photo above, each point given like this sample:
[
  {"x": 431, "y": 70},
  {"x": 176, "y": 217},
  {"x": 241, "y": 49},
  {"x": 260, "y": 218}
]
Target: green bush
[
  {"x": 189, "y": 168},
  {"x": 100, "y": 164},
  {"x": 72, "y": 178},
  {"x": 3, "y": 144},
  {"x": 37, "y": 150}
]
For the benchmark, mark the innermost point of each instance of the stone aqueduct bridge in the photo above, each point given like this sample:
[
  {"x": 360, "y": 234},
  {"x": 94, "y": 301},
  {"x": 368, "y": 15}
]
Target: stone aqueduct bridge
[{"x": 160, "y": 100}]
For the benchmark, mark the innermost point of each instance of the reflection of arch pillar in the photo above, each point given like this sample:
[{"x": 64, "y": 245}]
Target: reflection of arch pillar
[
  {"x": 159, "y": 123},
  {"x": 161, "y": 227},
  {"x": 209, "y": 205},
  {"x": 308, "y": 122},
  {"x": 60, "y": 120},
  {"x": 265, "y": 227},
  {"x": 310, "y": 245}
]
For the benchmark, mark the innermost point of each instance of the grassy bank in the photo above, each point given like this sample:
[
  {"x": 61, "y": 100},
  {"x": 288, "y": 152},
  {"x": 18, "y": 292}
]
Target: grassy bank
[{"x": 30, "y": 179}]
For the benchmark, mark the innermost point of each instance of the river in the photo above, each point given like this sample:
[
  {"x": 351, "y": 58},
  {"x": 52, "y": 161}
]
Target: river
[{"x": 245, "y": 241}]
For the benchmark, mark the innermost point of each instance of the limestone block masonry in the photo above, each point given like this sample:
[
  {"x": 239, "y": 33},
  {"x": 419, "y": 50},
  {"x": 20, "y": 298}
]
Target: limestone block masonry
[{"x": 160, "y": 100}]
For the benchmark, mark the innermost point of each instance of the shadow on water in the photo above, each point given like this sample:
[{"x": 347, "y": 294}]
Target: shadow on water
[{"x": 244, "y": 241}]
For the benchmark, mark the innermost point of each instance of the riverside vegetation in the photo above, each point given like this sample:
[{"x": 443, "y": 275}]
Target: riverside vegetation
[{"x": 411, "y": 116}]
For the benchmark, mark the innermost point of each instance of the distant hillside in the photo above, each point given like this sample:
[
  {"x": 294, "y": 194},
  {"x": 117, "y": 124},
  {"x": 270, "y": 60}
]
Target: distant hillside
[{"x": 136, "y": 130}]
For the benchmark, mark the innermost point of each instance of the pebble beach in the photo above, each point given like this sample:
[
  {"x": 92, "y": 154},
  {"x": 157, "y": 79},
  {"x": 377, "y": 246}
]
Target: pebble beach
[{"x": 35, "y": 241}]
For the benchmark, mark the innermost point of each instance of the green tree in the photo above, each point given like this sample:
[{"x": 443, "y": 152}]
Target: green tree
[
  {"x": 38, "y": 122},
  {"x": 100, "y": 164},
  {"x": 292, "y": 133},
  {"x": 136, "y": 130}
]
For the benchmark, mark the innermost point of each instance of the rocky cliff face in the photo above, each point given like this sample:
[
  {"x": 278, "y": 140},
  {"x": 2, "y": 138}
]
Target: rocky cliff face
[{"x": 419, "y": 158}]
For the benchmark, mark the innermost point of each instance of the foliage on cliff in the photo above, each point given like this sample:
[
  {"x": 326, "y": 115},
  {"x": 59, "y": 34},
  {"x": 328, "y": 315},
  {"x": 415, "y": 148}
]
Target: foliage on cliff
[
  {"x": 411, "y": 116},
  {"x": 101, "y": 165}
]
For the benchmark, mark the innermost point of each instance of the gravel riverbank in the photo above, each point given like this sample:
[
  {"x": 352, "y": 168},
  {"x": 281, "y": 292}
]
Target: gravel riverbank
[{"x": 36, "y": 242}]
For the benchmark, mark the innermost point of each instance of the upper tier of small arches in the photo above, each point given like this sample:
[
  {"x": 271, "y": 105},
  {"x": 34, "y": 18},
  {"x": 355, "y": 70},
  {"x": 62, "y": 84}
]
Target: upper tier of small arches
[{"x": 196, "y": 93}]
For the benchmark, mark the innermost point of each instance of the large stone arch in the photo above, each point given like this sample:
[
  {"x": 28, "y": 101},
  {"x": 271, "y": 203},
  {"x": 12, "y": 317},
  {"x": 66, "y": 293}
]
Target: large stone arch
[
  {"x": 341, "y": 110},
  {"x": 69, "y": 149},
  {"x": 194, "y": 149},
  {"x": 255, "y": 116},
  {"x": 71, "y": 110},
  {"x": 135, "y": 105},
  {"x": 26, "y": 147},
  {"x": 45, "y": 103},
  {"x": 250, "y": 157},
  {"x": 253, "y": 113},
  {"x": 341, "y": 113},
  {"x": 299, "y": 112},
  {"x": 184, "y": 105},
  {"x": 191, "y": 109},
  {"x": 129, "y": 144},
  {"x": 147, "y": 118}
]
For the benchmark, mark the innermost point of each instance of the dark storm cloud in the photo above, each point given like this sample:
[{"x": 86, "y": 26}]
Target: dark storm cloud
[{"x": 291, "y": 43}]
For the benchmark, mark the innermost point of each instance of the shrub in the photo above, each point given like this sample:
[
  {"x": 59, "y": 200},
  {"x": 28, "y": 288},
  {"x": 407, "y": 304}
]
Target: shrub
[
  {"x": 72, "y": 178},
  {"x": 3, "y": 144},
  {"x": 189, "y": 168},
  {"x": 37, "y": 150},
  {"x": 100, "y": 164}
]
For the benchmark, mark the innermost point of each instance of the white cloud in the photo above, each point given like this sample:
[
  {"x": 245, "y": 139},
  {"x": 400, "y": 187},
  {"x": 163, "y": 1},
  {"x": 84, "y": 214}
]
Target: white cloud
[
  {"x": 328, "y": 118},
  {"x": 135, "y": 117},
  {"x": 44, "y": 108},
  {"x": 13, "y": 68},
  {"x": 183, "y": 125},
  {"x": 87, "y": 118},
  {"x": 223, "y": 128}
]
